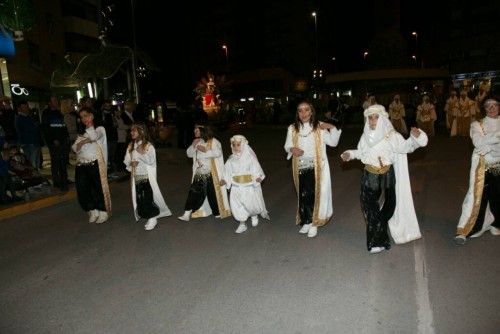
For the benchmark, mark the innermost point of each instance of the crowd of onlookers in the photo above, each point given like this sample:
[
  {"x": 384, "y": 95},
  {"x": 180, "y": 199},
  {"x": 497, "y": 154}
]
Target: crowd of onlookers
[{"x": 24, "y": 131}]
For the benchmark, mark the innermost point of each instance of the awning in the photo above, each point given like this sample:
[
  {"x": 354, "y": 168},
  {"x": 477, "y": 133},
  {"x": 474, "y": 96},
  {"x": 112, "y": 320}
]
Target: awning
[{"x": 102, "y": 65}]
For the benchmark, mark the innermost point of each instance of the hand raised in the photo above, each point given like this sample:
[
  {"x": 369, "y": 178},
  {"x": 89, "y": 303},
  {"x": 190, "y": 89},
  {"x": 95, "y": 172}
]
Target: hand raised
[
  {"x": 415, "y": 132},
  {"x": 346, "y": 156},
  {"x": 326, "y": 126}
]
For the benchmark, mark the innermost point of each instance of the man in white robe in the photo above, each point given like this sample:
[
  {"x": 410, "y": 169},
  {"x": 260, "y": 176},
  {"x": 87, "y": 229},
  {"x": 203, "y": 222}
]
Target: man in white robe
[
  {"x": 481, "y": 207},
  {"x": 306, "y": 142},
  {"x": 383, "y": 151},
  {"x": 243, "y": 175}
]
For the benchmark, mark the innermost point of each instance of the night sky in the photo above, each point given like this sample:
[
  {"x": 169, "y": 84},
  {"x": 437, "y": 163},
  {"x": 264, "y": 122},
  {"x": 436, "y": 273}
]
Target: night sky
[{"x": 266, "y": 34}]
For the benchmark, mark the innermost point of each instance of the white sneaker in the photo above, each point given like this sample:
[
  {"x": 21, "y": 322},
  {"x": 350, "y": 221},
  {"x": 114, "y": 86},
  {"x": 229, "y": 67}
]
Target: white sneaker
[
  {"x": 150, "y": 224},
  {"x": 103, "y": 216},
  {"x": 241, "y": 228},
  {"x": 494, "y": 230},
  {"x": 93, "y": 215},
  {"x": 255, "y": 221},
  {"x": 460, "y": 239},
  {"x": 305, "y": 228},
  {"x": 376, "y": 250},
  {"x": 313, "y": 231},
  {"x": 218, "y": 216},
  {"x": 186, "y": 216},
  {"x": 478, "y": 234}
]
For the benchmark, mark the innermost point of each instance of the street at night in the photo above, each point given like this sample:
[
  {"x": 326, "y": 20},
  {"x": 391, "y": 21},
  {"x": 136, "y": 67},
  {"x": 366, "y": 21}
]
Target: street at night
[{"x": 61, "y": 274}]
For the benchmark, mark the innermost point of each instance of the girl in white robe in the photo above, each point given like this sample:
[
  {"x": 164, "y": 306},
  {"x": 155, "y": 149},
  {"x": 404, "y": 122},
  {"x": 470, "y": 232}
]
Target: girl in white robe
[
  {"x": 481, "y": 206},
  {"x": 306, "y": 142},
  {"x": 383, "y": 151},
  {"x": 91, "y": 170},
  {"x": 243, "y": 175},
  {"x": 206, "y": 194},
  {"x": 140, "y": 161}
]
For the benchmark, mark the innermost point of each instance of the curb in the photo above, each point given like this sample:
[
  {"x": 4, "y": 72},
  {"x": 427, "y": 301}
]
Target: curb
[{"x": 23, "y": 208}]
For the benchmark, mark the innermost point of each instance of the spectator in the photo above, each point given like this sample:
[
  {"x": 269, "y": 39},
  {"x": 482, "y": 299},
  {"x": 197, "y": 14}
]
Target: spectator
[
  {"x": 7, "y": 116},
  {"x": 111, "y": 126},
  {"x": 56, "y": 136},
  {"x": 28, "y": 132}
]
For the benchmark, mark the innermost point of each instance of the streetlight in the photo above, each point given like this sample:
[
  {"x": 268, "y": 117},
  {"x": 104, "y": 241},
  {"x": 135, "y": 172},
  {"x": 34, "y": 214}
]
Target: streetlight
[
  {"x": 414, "y": 33},
  {"x": 224, "y": 47},
  {"x": 415, "y": 59},
  {"x": 365, "y": 54},
  {"x": 334, "y": 60},
  {"x": 316, "y": 35}
]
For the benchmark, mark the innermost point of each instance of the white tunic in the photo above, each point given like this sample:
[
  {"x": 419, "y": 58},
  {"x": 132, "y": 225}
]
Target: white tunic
[
  {"x": 246, "y": 199},
  {"x": 89, "y": 152}
]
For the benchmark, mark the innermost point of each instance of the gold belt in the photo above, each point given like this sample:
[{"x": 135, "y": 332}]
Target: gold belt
[
  {"x": 242, "y": 178},
  {"x": 377, "y": 170}
]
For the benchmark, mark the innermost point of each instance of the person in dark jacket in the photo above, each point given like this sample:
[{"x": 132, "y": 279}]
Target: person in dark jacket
[
  {"x": 110, "y": 125},
  {"x": 28, "y": 133},
  {"x": 56, "y": 136}
]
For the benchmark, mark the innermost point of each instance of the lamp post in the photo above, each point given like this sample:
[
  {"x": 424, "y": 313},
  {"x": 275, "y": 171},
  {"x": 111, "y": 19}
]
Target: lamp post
[
  {"x": 414, "y": 57},
  {"x": 224, "y": 47},
  {"x": 414, "y": 33},
  {"x": 334, "y": 60},
  {"x": 316, "y": 36},
  {"x": 134, "y": 54}
]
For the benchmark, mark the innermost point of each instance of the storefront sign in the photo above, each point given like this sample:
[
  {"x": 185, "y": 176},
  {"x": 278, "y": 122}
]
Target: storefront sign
[
  {"x": 16, "y": 89},
  {"x": 7, "y": 48}
]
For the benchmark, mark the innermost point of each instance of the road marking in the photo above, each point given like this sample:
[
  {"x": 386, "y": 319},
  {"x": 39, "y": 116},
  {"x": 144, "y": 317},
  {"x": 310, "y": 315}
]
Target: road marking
[{"x": 424, "y": 310}]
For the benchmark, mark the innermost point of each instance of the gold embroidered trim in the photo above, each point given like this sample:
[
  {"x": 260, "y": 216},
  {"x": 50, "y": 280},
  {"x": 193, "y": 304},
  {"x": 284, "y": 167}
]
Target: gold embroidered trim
[
  {"x": 316, "y": 221},
  {"x": 317, "y": 181},
  {"x": 223, "y": 212},
  {"x": 295, "y": 170},
  {"x": 478, "y": 194},
  {"x": 103, "y": 174}
]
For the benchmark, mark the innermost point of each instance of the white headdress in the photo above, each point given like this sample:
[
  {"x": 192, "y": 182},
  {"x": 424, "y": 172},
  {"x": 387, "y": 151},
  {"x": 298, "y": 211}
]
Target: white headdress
[{"x": 373, "y": 137}]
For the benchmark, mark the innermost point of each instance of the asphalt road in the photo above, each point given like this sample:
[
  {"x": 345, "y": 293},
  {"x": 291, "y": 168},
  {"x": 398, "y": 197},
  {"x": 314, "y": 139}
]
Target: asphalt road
[{"x": 60, "y": 274}]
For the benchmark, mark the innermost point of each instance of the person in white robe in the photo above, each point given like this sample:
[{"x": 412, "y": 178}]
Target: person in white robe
[
  {"x": 91, "y": 170},
  {"x": 206, "y": 194},
  {"x": 397, "y": 115},
  {"x": 481, "y": 206},
  {"x": 305, "y": 143},
  {"x": 451, "y": 109},
  {"x": 243, "y": 176},
  {"x": 466, "y": 112},
  {"x": 426, "y": 116},
  {"x": 140, "y": 161},
  {"x": 383, "y": 152}
]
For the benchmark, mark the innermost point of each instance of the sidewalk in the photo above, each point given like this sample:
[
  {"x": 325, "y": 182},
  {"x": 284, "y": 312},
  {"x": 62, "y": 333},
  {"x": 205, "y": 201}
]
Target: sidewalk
[{"x": 51, "y": 196}]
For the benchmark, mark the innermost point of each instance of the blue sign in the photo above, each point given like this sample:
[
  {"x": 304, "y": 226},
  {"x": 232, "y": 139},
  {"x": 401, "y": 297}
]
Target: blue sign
[{"x": 7, "y": 48}]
